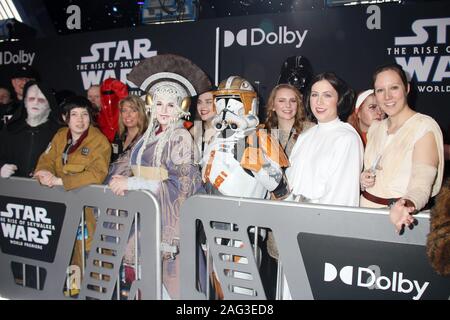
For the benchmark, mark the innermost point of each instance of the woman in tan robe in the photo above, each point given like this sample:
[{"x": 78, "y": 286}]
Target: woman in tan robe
[{"x": 403, "y": 161}]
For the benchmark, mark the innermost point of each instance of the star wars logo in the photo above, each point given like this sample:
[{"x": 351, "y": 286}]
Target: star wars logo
[
  {"x": 26, "y": 226},
  {"x": 113, "y": 59},
  {"x": 426, "y": 54}
]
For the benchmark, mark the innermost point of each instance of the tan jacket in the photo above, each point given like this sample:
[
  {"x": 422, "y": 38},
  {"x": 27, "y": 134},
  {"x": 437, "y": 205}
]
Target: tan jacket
[{"x": 88, "y": 164}]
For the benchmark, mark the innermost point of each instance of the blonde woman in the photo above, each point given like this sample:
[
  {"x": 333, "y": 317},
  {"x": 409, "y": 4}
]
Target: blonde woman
[
  {"x": 133, "y": 122},
  {"x": 286, "y": 114},
  {"x": 162, "y": 161}
]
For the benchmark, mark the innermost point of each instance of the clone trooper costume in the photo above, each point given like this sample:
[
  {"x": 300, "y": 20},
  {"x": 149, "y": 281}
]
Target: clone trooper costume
[{"x": 241, "y": 160}]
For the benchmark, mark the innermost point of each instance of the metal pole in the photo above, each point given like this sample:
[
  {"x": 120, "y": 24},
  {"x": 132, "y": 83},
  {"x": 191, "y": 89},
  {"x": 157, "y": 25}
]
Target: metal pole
[
  {"x": 38, "y": 280},
  {"x": 136, "y": 252},
  {"x": 217, "y": 56},
  {"x": 208, "y": 272},
  {"x": 24, "y": 276},
  {"x": 158, "y": 254},
  {"x": 117, "y": 213},
  {"x": 100, "y": 264},
  {"x": 255, "y": 248},
  {"x": 256, "y": 253},
  {"x": 83, "y": 262},
  {"x": 279, "y": 287}
]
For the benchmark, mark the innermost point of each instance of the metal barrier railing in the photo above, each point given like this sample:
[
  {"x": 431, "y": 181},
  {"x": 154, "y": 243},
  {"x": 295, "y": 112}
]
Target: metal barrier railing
[
  {"x": 325, "y": 252},
  {"x": 39, "y": 227}
]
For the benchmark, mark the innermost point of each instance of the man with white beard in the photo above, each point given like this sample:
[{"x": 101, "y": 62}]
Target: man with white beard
[{"x": 29, "y": 132}]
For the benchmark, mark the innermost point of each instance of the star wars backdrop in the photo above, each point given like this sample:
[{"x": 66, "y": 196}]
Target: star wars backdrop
[{"x": 350, "y": 41}]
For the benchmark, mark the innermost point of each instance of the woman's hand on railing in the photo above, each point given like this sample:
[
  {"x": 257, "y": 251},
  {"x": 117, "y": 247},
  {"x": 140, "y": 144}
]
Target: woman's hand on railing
[
  {"x": 400, "y": 214},
  {"x": 118, "y": 185},
  {"x": 44, "y": 177}
]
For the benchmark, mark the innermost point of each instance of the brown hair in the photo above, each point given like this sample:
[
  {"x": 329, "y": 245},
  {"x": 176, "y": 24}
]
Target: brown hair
[
  {"x": 137, "y": 104},
  {"x": 353, "y": 119},
  {"x": 272, "y": 119},
  {"x": 346, "y": 96},
  {"x": 438, "y": 239},
  {"x": 354, "y": 122},
  {"x": 393, "y": 67}
]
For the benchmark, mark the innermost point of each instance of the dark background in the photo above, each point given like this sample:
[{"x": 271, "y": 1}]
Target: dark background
[{"x": 337, "y": 40}]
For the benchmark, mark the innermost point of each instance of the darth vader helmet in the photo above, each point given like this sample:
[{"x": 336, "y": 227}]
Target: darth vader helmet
[{"x": 297, "y": 71}]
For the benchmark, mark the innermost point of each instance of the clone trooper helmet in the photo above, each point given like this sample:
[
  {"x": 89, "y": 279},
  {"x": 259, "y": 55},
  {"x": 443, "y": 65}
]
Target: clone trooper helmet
[{"x": 236, "y": 103}]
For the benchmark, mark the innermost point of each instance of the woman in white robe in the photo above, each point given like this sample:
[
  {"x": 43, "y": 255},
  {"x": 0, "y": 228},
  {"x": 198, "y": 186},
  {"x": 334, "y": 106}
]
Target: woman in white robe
[{"x": 326, "y": 160}]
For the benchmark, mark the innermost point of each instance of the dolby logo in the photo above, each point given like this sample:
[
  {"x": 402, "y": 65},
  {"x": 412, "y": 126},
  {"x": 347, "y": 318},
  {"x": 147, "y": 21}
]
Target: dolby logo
[
  {"x": 21, "y": 57},
  {"x": 367, "y": 278},
  {"x": 257, "y": 36}
]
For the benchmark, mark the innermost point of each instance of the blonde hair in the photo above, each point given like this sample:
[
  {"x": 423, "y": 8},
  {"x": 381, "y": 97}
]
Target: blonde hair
[
  {"x": 137, "y": 104},
  {"x": 272, "y": 119}
]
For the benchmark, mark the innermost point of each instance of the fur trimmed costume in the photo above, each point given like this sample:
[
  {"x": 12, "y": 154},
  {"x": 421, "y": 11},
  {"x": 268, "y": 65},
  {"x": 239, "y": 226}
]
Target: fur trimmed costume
[{"x": 438, "y": 240}]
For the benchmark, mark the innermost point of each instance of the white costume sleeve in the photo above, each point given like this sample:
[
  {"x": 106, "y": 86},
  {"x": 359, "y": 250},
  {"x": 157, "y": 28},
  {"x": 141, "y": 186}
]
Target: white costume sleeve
[
  {"x": 342, "y": 186},
  {"x": 270, "y": 174},
  {"x": 7, "y": 170},
  {"x": 139, "y": 183}
]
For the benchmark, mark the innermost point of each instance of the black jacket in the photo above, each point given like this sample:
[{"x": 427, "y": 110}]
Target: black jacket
[
  {"x": 8, "y": 110},
  {"x": 21, "y": 144}
]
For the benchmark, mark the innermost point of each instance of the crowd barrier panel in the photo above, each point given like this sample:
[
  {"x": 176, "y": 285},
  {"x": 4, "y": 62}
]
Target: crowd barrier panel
[
  {"x": 39, "y": 226},
  {"x": 325, "y": 252}
]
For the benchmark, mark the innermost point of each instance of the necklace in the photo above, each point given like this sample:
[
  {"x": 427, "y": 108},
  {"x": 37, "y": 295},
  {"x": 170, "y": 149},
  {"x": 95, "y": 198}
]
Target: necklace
[{"x": 288, "y": 139}]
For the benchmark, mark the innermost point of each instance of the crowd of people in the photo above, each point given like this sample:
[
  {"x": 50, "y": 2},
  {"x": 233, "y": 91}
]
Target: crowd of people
[{"x": 319, "y": 144}]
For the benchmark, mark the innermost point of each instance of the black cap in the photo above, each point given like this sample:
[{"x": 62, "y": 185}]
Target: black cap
[{"x": 24, "y": 71}]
